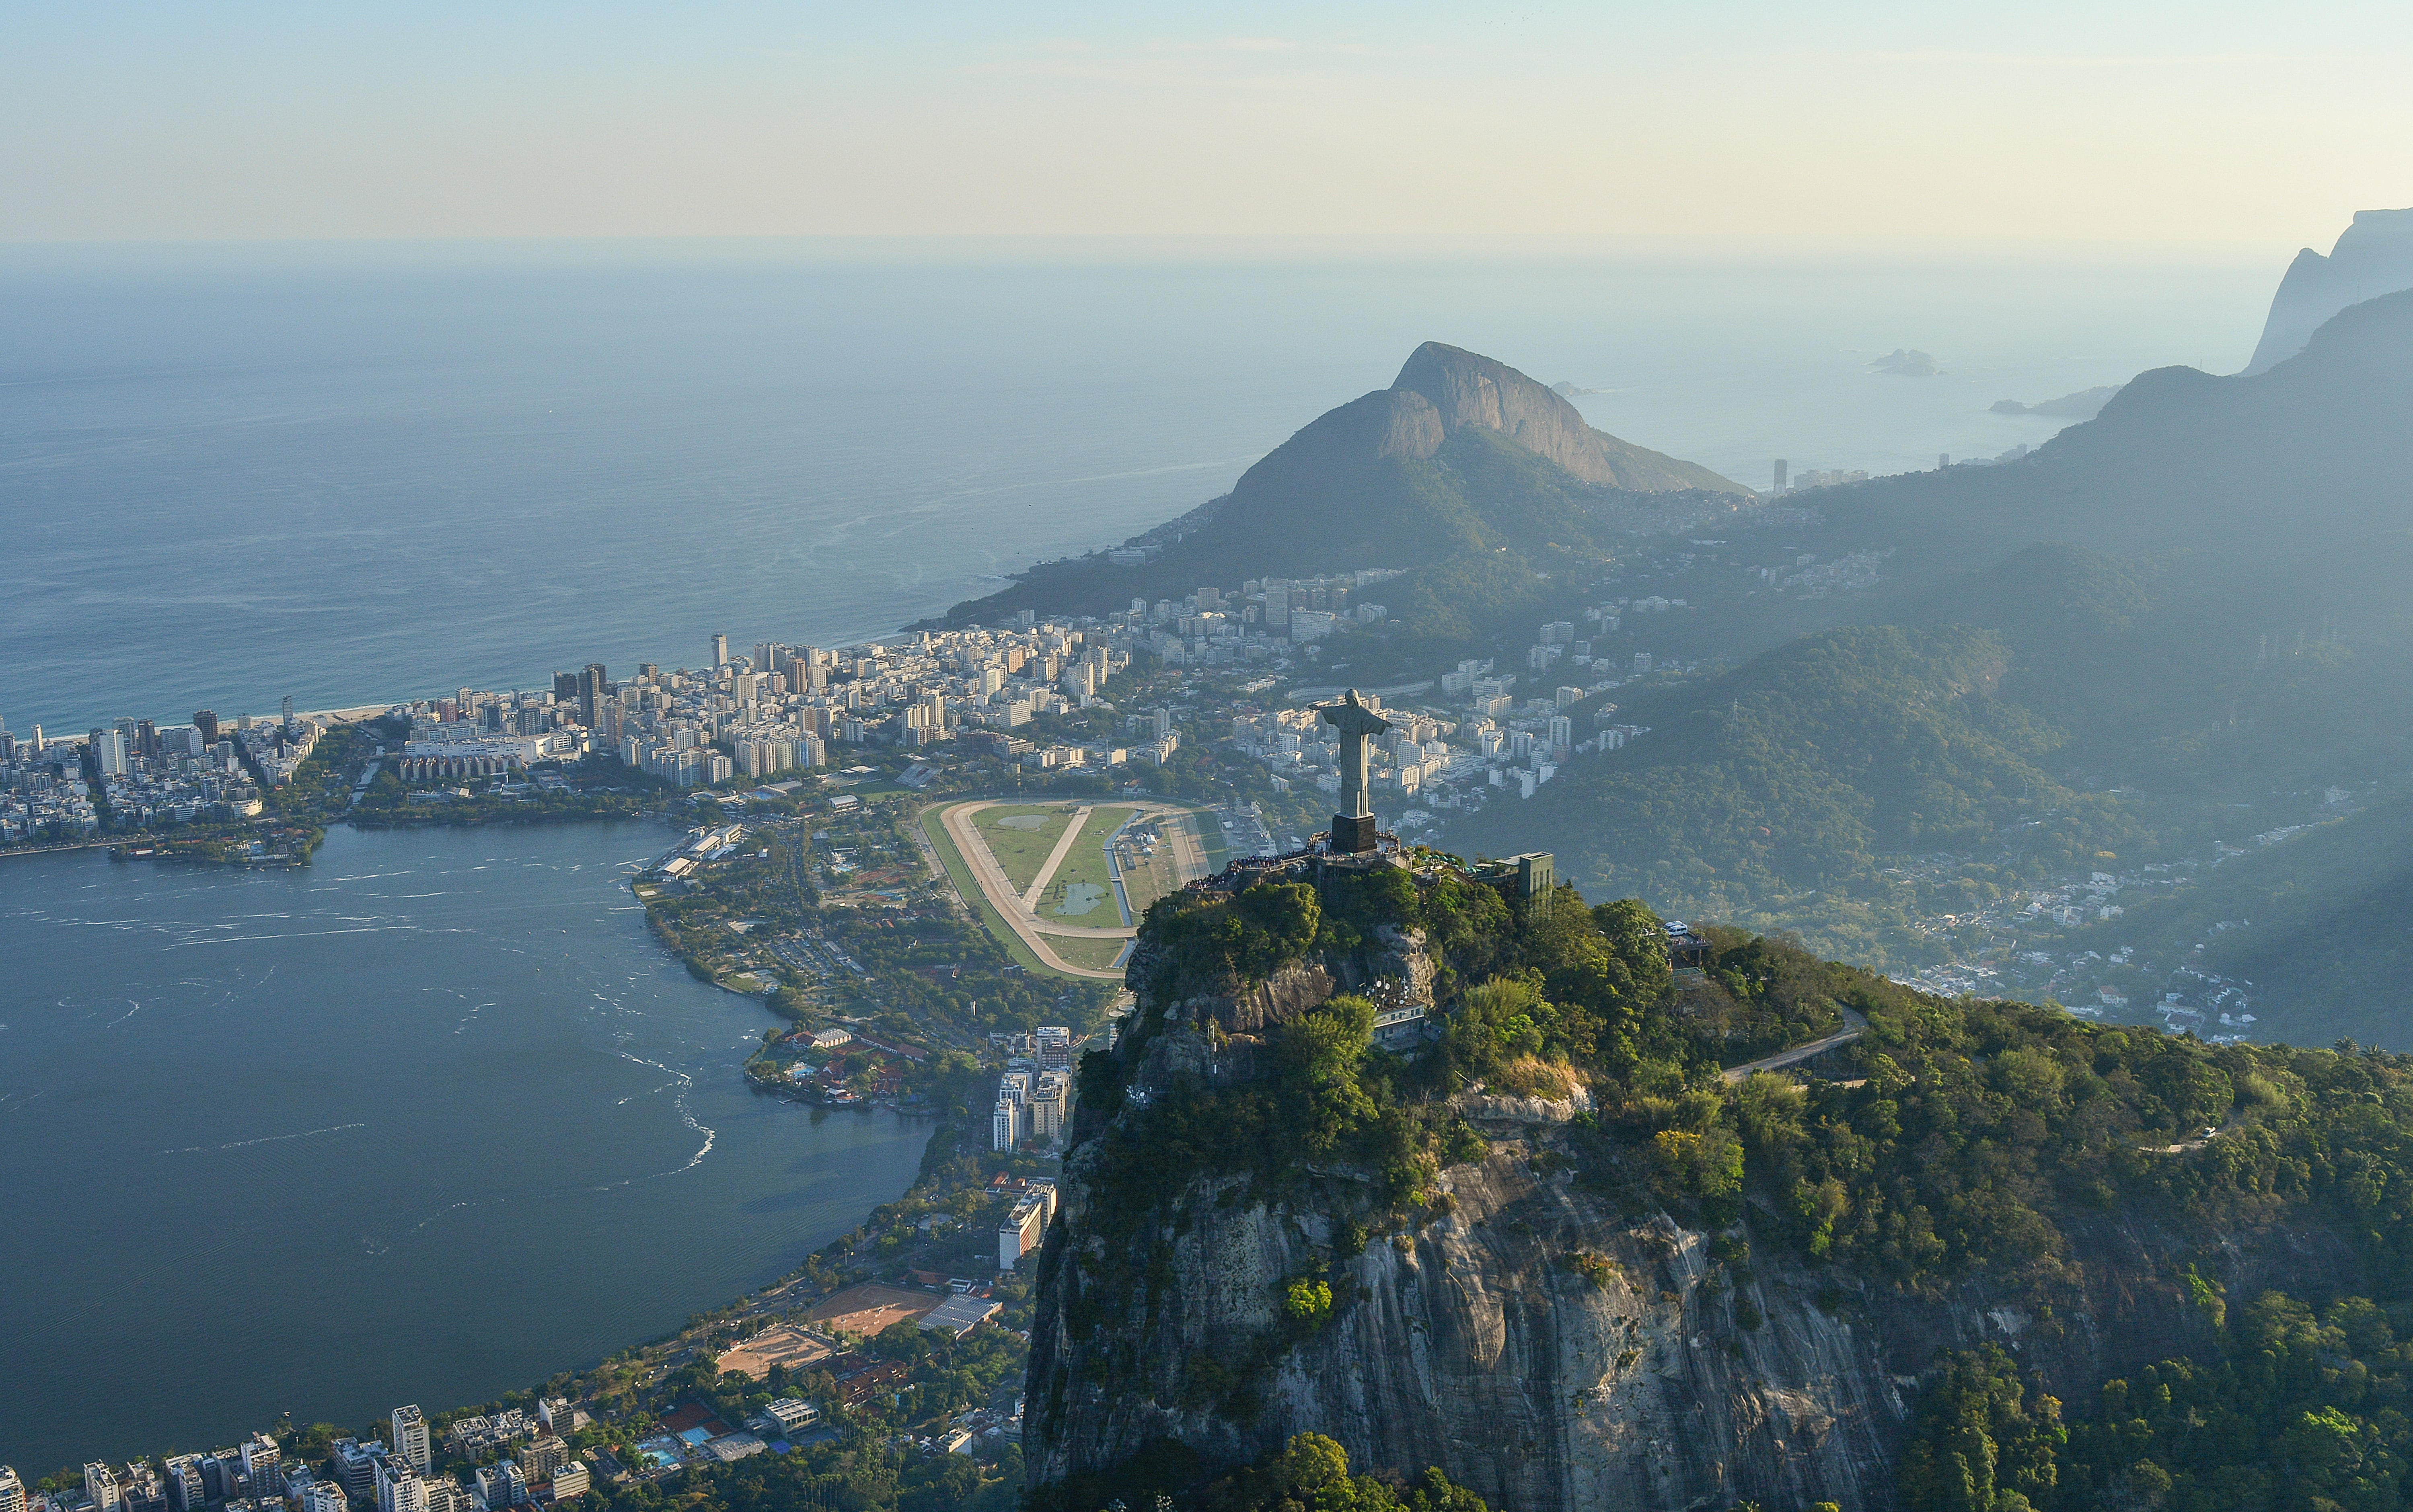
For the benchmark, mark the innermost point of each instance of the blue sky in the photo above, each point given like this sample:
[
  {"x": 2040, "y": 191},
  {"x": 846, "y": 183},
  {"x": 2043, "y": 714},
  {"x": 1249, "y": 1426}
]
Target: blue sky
[{"x": 2215, "y": 124}]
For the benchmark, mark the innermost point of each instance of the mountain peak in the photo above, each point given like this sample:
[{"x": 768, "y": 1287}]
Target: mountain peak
[
  {"x": 1468, "y": 389},
  {"x": 2372, "y": 257}
]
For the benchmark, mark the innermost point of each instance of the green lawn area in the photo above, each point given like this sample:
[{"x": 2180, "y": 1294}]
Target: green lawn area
[
  {"x": 1145, "y": 882},
  {"x": 1210, "y": 840},
  {"x": 1096, "y": 954},
  {"x": 961, "y": 876},
  {"x": 1082, "y": 879},
  {"x": 1020, "y": 836}
]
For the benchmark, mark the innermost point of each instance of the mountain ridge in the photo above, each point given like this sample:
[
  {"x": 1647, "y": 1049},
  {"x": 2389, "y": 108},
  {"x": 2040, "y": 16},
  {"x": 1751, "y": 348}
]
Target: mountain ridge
[{"x": 2372, "y": 256}]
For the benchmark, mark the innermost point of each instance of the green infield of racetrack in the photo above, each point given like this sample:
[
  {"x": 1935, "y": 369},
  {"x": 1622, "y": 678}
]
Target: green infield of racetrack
[
  {"x": 969, "y": 890},
  {"x": 1020, "y": 853}
]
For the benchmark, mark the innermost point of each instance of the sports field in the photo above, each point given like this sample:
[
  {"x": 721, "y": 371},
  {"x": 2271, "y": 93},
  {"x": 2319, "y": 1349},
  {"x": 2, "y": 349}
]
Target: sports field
[
  {"x": 960, "y": 873},
  {"x": 1022, "y": 836},
  {"x": 1083, "y": 890}
]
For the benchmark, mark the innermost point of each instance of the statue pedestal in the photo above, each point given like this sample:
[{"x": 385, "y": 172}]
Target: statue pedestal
[{"x": 1352, "y": 837}]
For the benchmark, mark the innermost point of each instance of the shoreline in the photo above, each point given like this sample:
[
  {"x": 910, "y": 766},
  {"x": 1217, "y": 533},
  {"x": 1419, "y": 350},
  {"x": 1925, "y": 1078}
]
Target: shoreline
[{"x": 939, "y": 1123}]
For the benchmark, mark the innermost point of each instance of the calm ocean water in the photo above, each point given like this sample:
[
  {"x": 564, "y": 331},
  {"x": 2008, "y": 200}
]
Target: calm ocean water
[
  {"x": 424, "y": 1123},
  {"x": 228, "y": 476}
]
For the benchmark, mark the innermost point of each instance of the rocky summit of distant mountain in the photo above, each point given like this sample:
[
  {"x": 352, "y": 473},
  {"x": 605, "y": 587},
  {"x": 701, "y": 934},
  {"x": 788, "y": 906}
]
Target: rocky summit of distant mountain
[
  {"x": 1462, "y": 455},
  {"x": 1467, "y": 389},
  {"x": 2372, "y": 257},
  {"x": 2084, "y": 405}
]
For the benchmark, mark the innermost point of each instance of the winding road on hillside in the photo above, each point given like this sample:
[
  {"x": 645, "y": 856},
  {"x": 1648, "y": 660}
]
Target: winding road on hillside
[{"x": 1853, "y": 1025}]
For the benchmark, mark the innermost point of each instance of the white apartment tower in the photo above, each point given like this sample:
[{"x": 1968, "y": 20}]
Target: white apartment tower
[
  {"x": 410, "y": 1437},
  {"x": 12, "y": 1490},
  {"x": 398, "y": 1486},
  {"x": 100, "y": 1488}
]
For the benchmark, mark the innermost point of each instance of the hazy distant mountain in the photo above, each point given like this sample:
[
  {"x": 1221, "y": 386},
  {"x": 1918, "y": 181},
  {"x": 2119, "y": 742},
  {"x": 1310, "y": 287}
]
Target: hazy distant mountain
[
  {"x": 1462, "y": 454},
  {"x": 2374, "y": 256},
  {"x": 2084, "y": 405},
  {"x": 2179, "y": 458},
  {"x": 2196, "y": 596}
]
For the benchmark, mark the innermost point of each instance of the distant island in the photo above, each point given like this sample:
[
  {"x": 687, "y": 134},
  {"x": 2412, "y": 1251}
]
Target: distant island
[
  {"x": 1906, "y": 361},
  {"x": 2084, "y": 405},
  {"x": 1568, "y": 391}
]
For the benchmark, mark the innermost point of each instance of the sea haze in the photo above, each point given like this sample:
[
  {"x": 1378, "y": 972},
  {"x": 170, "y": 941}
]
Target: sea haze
[
  {"x": 424, "y": 1122},
  {"x": 361, "y": 475}
]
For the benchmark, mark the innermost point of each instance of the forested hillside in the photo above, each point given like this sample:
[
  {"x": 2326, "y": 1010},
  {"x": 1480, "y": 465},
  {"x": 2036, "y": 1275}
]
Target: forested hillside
[
  {"x": 1812, "y": 770},
  {"x": 2316, "y": 923},
  {"x": 1763, "y": 1252}
]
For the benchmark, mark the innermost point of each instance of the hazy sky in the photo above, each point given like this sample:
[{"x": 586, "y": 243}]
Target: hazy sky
[{"x": 2260, "y": 124}]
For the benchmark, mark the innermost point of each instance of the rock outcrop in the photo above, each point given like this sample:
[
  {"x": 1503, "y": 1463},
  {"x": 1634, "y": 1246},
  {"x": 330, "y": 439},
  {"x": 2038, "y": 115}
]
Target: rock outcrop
[
  {"x": 1546, "y": 1346},
  {"x": 2372, "y": 257},
  {"x": 1465, "y": 389}
]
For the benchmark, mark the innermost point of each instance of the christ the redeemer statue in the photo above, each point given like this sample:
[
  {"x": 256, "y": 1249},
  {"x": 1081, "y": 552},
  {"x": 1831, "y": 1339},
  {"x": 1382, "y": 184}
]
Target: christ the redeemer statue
[{"x": 1353, "y": 827}]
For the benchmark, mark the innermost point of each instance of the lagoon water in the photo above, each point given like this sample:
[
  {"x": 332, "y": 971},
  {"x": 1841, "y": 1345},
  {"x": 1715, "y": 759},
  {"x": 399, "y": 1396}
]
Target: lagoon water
[
  {"x": 372, "y": 473},
  {"x": 426, "y": 1121}
]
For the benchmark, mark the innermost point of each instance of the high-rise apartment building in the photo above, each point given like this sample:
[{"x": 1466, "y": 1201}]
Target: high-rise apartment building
[
  {"x": 500, "y": 1486},
  {"x": 544, "y": 1454},
  {"x": 184, "y": 1488},
  {"x": 260, "y": 1458},
  {"x": 12, "y": 1490},
  {"x": 325, "y": 1496},
  {"x": 1054, "y": 1046},
  {"x": 594, "y": 687},
  {"x": 356, "y": 1464},
  {"x": 100, "y": 1488},
  {"x": 398, "y": 1486},
  {"x": 108, "y": 752},
  {"x": 410, "y": 1437},
  {"x": 720, "y": 650},
  {"x": 1779, "y": 475}
]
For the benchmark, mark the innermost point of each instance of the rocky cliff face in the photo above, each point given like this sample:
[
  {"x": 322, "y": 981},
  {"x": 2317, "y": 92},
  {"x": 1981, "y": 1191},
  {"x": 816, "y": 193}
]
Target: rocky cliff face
[
  {"x": 1467, "y": 389},
  {"x": 1549, "y": 1340},
  {"x": 2372, "y": 257}
]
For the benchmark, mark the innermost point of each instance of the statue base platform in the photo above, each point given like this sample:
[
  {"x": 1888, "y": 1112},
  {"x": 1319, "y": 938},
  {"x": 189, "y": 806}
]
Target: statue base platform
[{"x": 1352, "y": 837}]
